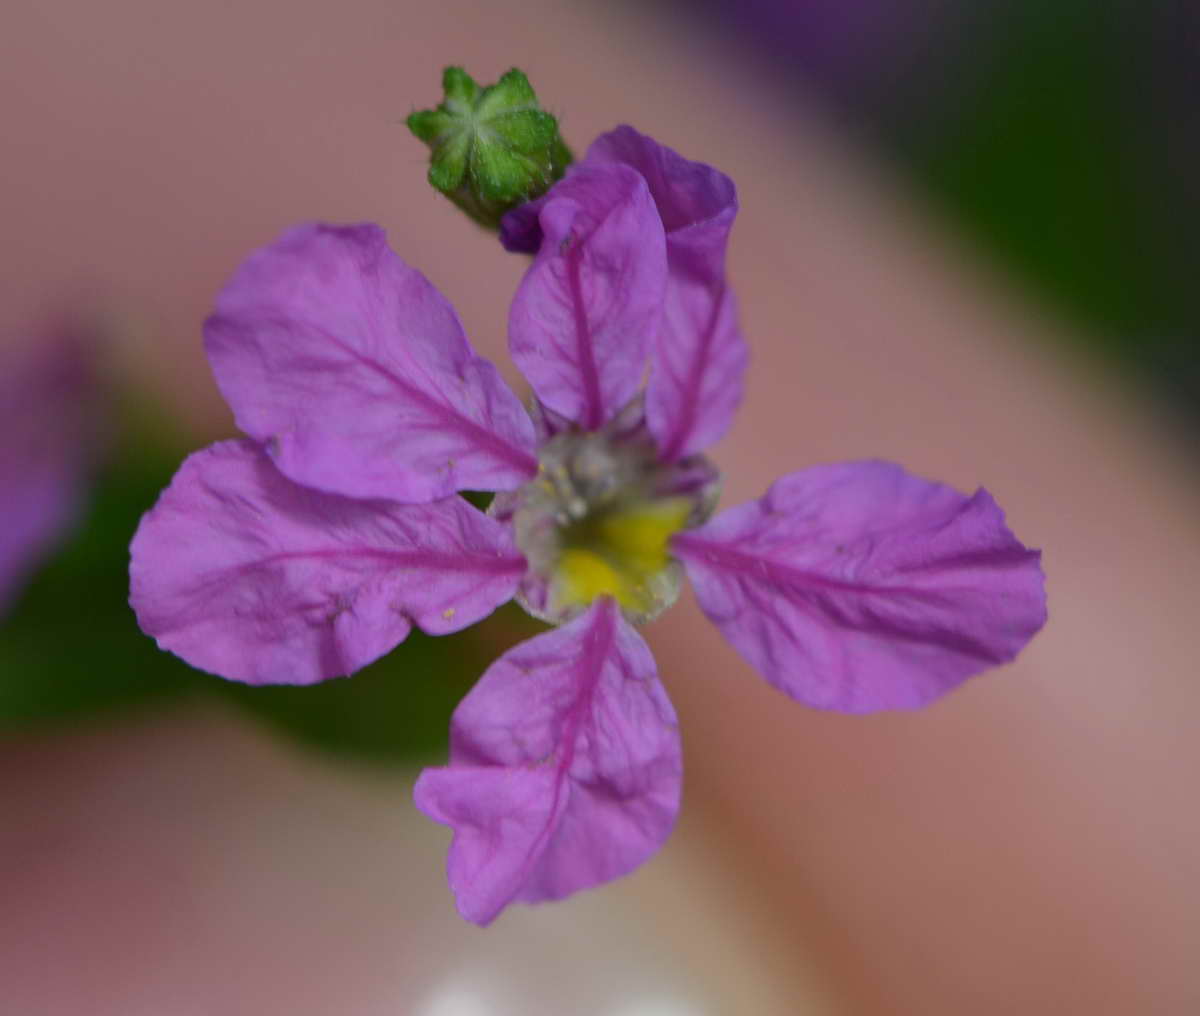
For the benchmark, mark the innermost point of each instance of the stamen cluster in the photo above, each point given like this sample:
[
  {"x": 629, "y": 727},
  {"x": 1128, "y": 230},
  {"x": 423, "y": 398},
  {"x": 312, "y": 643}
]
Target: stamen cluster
[{"x": 598, "y": 520}]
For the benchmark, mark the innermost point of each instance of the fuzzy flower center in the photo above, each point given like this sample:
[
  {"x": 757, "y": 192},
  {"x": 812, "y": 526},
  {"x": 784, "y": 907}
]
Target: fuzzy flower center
[
  {"x": 598, "y": 520},
  {"x": 619, "y": 552}
]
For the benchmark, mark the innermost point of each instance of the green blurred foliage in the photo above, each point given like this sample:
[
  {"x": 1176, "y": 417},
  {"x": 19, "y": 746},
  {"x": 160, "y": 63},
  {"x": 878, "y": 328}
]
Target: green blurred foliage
[
  {"x": 1046, "y": 135},
  {"x": 1061, "y": 137}
]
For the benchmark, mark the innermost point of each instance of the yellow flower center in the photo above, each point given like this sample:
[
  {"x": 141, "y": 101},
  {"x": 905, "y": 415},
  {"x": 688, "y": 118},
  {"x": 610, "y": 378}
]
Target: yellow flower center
[
  {"x": 618, "y": 553},
  {"x": 598, "y": 519}
]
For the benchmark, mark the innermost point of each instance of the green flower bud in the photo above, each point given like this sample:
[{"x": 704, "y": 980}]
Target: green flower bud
[{"x": 492, "y": 148}]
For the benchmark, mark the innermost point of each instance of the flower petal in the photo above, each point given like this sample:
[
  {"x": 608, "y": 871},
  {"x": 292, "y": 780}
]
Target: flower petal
[
  {"x": 565, "y": 767},
  {"x": 245, "y": 574},
  {"x": 700, "y": 356},
  {"x": 355, "y": 373},
  {"x": 585, "y": 313},
  {"x": 858, "y": 587},
  {"x": 45, "y": 425}
]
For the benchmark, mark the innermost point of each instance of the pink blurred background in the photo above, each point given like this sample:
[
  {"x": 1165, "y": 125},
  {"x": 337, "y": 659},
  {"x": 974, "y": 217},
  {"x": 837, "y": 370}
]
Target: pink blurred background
[{"x": 1027, "y": 845}]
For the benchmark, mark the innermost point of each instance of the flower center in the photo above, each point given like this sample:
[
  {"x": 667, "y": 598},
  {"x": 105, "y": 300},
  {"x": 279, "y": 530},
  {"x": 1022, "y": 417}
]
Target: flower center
[{"x": 597, "y": 521}]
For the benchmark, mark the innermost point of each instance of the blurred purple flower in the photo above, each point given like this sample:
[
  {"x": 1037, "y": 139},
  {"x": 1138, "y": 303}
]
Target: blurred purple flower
[
  {"x": 45, "y": 422},
  {"x": 860, "y": 54},
  {"x": 312, "y": 548}
]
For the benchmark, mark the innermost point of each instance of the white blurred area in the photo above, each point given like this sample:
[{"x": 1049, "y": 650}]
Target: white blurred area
[{"x": 453, "y": 999}]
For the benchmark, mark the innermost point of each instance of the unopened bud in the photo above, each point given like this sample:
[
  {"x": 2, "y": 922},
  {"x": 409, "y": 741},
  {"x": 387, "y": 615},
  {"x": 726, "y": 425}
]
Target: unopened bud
[{"x": 493, "y": 148}]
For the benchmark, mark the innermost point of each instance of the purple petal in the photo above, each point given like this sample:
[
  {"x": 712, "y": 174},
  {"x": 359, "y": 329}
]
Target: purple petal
[
  {"x": 45, "y": 427},
  {"x": 858, "y": 587},
  {"x": 355, "y": 373},
  {"x": 565, "y": 767},
  {"x": 700, "y": 356},
  {"x": 245, "y": 574},
  {"x": 587, "y": 309}
]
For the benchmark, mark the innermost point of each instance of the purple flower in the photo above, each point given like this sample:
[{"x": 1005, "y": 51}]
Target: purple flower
[
  {"x": 313, "y": 547},
  {"x": 44, "y": 450}
]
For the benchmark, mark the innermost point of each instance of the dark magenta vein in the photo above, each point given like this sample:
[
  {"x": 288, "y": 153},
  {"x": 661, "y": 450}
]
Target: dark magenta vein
[
  {"x": 401, "y": 558},
  {"x": 501, "y": 449},
  {"x": 703, "y": 552},
  {"x": 593, "y": 407},
  {"x": 690, "y": 395},
  {"x": 597, "y": 644}
]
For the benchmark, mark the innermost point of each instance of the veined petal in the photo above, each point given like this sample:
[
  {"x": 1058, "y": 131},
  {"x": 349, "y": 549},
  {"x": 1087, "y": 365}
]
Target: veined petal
[
  {"x": 44, "y": 450},
  {"x": 699, "y": 356},
  {"x": 585, "y": 313},
  {"x": 356, "y": 375},
  {"x": 565, "y": 767},
  {"x": 859, "y": 587},
  {"x": 246, "y": 574}
]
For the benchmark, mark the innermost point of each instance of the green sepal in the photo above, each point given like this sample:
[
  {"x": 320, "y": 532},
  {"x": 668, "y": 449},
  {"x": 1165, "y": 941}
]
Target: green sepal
[{"x": 492, "y": 149}]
